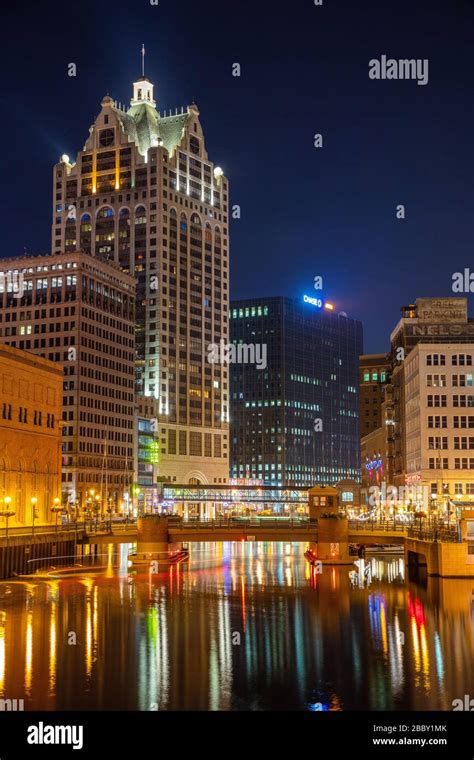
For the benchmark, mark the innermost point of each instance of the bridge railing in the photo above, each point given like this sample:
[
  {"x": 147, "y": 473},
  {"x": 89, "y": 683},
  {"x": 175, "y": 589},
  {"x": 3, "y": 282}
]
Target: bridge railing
[
  {"x": 435, "y": 534},
  {"x": 220, "y": 523},
  {"x": 372, "y": 525}
]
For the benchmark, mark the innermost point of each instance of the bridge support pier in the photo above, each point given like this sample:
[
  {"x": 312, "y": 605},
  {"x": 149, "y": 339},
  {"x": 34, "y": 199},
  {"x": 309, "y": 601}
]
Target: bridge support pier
[
  {"x": 332, "y": 547},
  {"x": 153, "y": 537},
  {"x": 333, "y": 541}
]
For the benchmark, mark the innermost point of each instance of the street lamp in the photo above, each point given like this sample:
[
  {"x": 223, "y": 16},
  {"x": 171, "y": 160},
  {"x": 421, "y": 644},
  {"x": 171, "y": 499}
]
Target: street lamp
[
  {"x": 96, "y": 509},
  {"x": 34, "y": 502},
  {"x": 7, "y": 513}
]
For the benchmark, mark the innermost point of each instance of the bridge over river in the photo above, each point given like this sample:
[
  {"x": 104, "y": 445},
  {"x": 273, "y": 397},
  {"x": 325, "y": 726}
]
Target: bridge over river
[{"x": 445, "y": 551}]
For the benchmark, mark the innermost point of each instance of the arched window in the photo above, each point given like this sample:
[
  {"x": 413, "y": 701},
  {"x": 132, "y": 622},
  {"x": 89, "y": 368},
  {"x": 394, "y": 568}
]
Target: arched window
[
  {"x": 173, "y": 212},
  {"x": 105, "y": 213},
  {"x": 124, "y": 230},
  {"x": 105, "y": 230},
  {"x": 196, "y": 229},
  {"x": 140, "y": 215},
  {"x": 85, "y": 232}
]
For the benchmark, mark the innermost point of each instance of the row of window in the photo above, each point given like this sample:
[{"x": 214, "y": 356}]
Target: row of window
[
  {"x": 457, "y": 360},
  {"x": 460, "y": 463},
  {"x": 457, "y": 400},
  {"x": 458, "y": 421},
  {"x": 375, "y": 377},
  {"x": 23, "y": 416},
  {"x": 249, "y": 311},
  {"x": 460, "y": 442},
  {"x": 440, "y": 381}
]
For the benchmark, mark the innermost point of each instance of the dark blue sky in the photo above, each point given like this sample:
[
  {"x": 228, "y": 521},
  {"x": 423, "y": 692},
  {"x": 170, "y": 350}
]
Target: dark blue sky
[{"x": 305, "y": 212}]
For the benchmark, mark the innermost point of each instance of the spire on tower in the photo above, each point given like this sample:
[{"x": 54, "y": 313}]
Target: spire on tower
[{"x": 143, "y": 88}]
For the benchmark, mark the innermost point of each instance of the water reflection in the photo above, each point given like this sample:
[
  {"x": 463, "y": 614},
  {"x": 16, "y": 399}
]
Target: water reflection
[{"x": 244, "y": 626}]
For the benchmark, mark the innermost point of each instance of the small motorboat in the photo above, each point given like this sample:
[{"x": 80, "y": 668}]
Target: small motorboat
[
  {"x": 158, "y": 561},
  {"x": 384, "y": 549}
]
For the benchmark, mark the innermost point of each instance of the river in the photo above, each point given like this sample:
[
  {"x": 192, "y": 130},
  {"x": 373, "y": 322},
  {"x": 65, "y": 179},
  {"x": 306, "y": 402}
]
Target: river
[{"x": 242, "y": 626}]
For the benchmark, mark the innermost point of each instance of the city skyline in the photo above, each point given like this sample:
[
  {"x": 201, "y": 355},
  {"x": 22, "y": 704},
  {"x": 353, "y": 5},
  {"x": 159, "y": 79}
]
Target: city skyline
[
  {"x": 379, "y": 139},
  {"x": 236, "y": 371}
]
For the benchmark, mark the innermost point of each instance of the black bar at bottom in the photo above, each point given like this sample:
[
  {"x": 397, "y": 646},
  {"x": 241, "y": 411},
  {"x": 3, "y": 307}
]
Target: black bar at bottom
[{"x": 127, "y": 734}]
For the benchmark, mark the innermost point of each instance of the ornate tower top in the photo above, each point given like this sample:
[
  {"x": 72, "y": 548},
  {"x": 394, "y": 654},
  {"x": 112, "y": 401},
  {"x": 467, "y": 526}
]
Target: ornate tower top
[{"x": 143, "y": 88}]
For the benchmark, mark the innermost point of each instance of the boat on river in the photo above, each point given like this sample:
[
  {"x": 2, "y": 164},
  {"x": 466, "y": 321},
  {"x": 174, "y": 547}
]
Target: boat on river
[{"x": 159, "y": 560}]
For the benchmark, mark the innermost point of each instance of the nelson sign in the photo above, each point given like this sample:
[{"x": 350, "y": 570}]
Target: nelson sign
[{"x": 446, "y": 330}]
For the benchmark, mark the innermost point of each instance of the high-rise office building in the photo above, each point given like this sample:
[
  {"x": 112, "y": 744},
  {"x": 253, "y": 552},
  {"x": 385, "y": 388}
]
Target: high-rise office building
[
  {"x": 143, "y": 193},
  {"x": 295, "y": 412},
  {"x": 79, "y": 311},
  {"x": 433, "y": 399}
]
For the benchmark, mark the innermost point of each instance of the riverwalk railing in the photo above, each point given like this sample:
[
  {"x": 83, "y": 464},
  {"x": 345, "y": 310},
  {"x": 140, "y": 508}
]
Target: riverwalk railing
[
  {"x": 425, "y": 531},
  {"x": 436, "y": 534},
  {"x": 239, "y": 523},
  {"x": 386, "y": 526}
]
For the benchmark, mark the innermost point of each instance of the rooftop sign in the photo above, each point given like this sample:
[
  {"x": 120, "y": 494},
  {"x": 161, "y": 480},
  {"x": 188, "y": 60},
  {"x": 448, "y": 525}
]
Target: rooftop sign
[{"x": 441, "y": 310}]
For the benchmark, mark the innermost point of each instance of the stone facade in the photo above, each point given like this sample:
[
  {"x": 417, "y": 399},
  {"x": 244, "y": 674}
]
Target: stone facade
[
  {"x": 439, "y": 421},
  {"x": 30, "y": 436}
]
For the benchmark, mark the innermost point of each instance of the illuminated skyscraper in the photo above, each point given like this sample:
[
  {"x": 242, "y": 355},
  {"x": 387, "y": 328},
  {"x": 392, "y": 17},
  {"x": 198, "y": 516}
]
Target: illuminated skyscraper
[
  {"x": 295, "y": 418},
  {"x": 143, "y": 193},
  {"x": 78, "y": 311}
]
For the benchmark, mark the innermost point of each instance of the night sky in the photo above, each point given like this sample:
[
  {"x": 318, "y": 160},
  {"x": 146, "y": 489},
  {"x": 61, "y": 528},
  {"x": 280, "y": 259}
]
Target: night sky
[{"x": 304, "y": 70}]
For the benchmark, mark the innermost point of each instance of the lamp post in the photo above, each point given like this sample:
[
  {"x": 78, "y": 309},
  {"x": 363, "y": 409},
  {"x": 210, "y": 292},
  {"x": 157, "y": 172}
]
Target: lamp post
[
  {"x": 34, "y": 502},
  {"x": 7, "y": 513},
  {"x": 90, "y": 501},
  {"x": 97, "y": 508}
]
